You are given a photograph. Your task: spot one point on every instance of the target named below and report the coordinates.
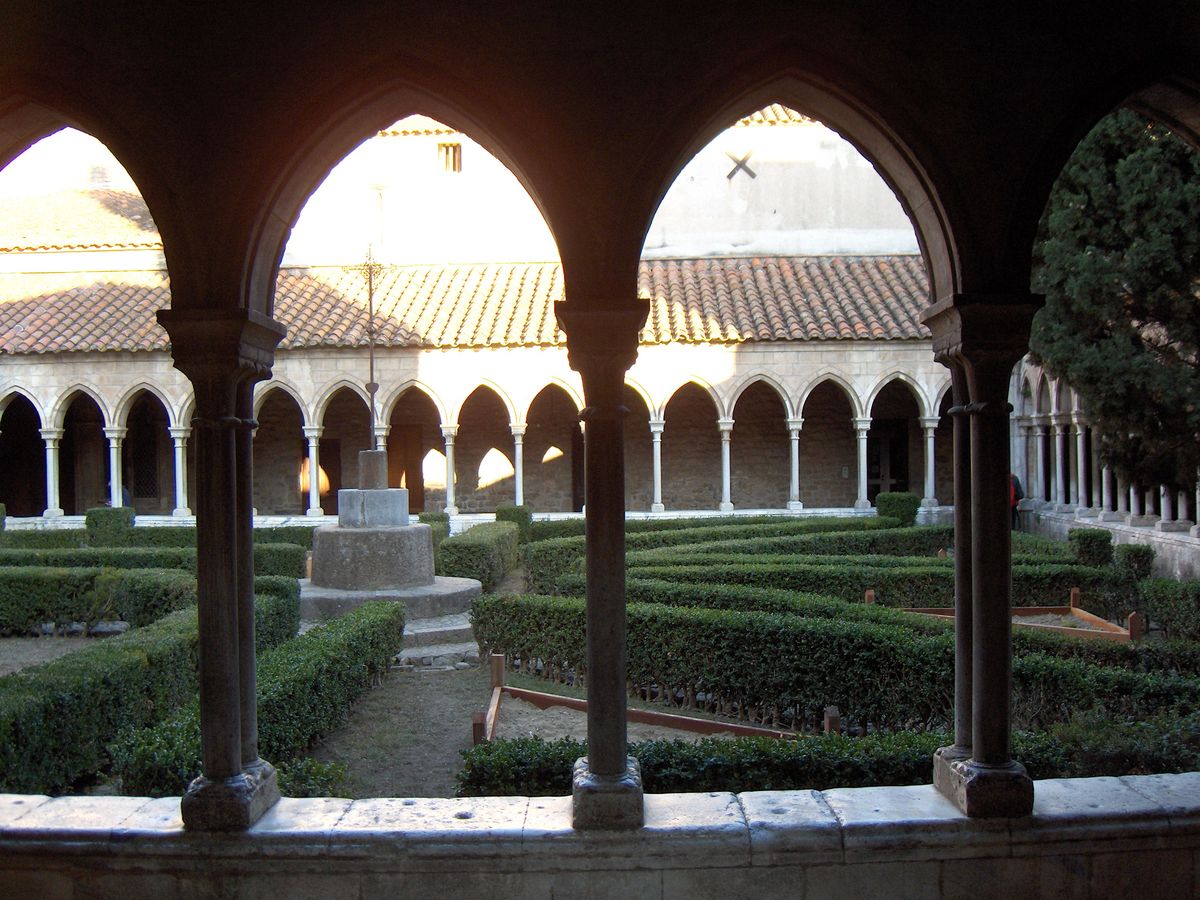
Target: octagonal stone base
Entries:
(444, 596)
(606, 801)
(980, 791)
(231, 805)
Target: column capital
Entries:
(725, 426)
(450, 432)
(180, 432)
(114, 432)
(313, 432)
(862, 424)
(929, 422)
(51, 434)
(795, 424)
(657, 426)
(382, 431)
(1078, 419)
(517, 429)
(986, 334)
(601, 335)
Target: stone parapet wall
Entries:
(1093, 837)
(1177, 554)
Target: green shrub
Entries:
(276, 612)
(31, 595)
(486, 552)
(142, 596)
(429, 517)
(305, 777)
(280, 559)
(520, 516)
(1091, 546)
(924, 541)
(1174, 605)
(284, 534)
(269, 559)
(47, 538)
(3, 516)
(549, 529)
(901, 505)
(1136, 559)
(108, 526)
(305, 690)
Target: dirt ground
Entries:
(16, 653)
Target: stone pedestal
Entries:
(233, 804)
(606, 801)
(981, 791)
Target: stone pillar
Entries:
(51, 437)
(518, 433)
(794, 426)
(1122, 498)
(985, 336)
(381, 436)
(861, 428)
(449, 433)
(115, 437)
(1039, 435)
(1108, 513)
(1083, 465)
(601, 346)
(223, 352)
(725, 426)
(1061, 457)
(1184, 508)
(929, 426)
(1169, 521)
(656, 433)
(179, 437)
(312, 434)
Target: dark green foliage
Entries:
(1135, 559)
(429, 517)
(574, 527)
(31, 595)
(280, 559)
(901, 505)
(305, 777)
(486, 552)
(1083, 747)
(108, 526)
(269, 559)
(520, 516)
(276, 611)
(142, 596)
(284, 534)
(1175, 605)
(550, 529)
(1118, 258)
(3, 516)
(44, 538)
(305, 690)
(166, 536)
(1091, 546)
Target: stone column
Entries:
(1061, 456)
(1108, 514)
(51, 437)
(985, 336)
(223, 352)
(1122, 498)
(449, 433)
(179, 437)
(381, 436)
(601, 346)
(115, 437)
(1083, 465)
(1169, 521)
(725, 426)
(656, 433)
(861, 428)
(518, 433)
(929, 426)
(794, 426)
(1038, 490)
(312, 433)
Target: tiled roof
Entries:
(495, 304)
(77, 220)
(775, 114)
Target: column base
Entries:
(725, 506)
(657, 507)
(795, 505)
(1063, 508)
(1086, 512)
(180, 512)
(450, 510)
(231, 805)
(862, 504)
(1141, 521)
(606, 801)
(929, 502)
(1176, 525)
(314, 511)
(982, 792)
(1110, 516)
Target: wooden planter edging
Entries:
(484, 724)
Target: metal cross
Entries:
(371, 270)
(739, 165)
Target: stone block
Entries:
(386, 508)
(372, 470)
(372, 558)
(987, 791)
(230, 805)
(911, 880)
(607, 801)
(791, 827)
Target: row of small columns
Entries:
(115, 437)
(1096, 490)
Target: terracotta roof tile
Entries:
(77, 220)
(493, 304)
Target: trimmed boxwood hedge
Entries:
(34, 539)
(56, 719)
(548, 529)
(785, 669)
(269, 559)
(902, 505)
(534, 767)
(1175, 605)
(155, 536)
(521, 516)
(305, 690)
(486, 552)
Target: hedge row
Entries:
(486, 552)
(1106, 592)
(559, 528)
(269, 559)
(546, 561)
(1175, 605)
(57, 719)
(305, 690)
(538, 768)
(166, 536)
(519, 516)
(785, 669)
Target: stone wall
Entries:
(279, 449)
(691, 451)
(828, 450)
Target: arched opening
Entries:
(83, 457)
(894, 452)
(346, 432)
(280, 457)
(147, 459)
(553, 453)
(691, 450)
(483, 426)
(414, 434)
(760, 455)
(22, 459)
(827, 449)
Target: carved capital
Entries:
(601, 337)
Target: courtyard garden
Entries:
(769, 621)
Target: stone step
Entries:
(444, 597)
(452, 629)
(440, 656)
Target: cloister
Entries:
(228, 121)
